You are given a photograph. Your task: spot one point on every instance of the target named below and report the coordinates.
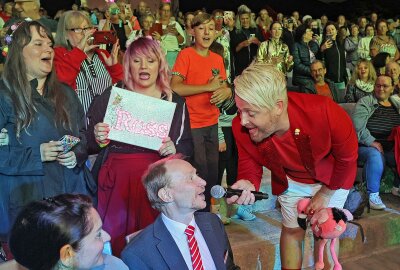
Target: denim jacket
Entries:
(365, 107)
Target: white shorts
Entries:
(297, 191)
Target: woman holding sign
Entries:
(123, 204)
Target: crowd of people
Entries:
(250, 90)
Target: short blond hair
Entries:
(261, 85)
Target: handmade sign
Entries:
(138, 119)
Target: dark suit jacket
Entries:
(154, 247)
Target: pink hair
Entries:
(147, 47)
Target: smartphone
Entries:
(104, 37)
(252, 36)
(329, 37)
(156, 27)
(68, 142)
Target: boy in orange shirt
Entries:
(199, 76)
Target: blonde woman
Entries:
(362, 81)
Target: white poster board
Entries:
(138, 119)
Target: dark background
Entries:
(350, 8)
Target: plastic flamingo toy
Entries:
(326, 223)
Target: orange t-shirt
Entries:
(197, 70)
(323, 90)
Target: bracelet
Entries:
(102, 145)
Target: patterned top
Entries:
(388, 46)
(276, 53)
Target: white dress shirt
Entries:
(177, 230)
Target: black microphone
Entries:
(218, 192)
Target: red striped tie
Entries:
(194, 249)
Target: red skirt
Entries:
(123, 204)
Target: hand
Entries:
(68, 160)
(167, 148)
(222, 147)
(50, 151)
(4, 137)
(327, 44)
(83, 44)
(254, 40)
(290, 59)
(247, 197)
(214, 83)
(171, 29)
(378, 146)
(101, 131)
(113, 58)
(320, 200)
(245, 43)
(220, 95)
(315, 37)
(156, 35)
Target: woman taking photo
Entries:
(245, 39)
(333, 54)
(63, 232)
(374, 118)
(37, 111)
(362, 81)
(121, 193)
(85, 68)
(274, 51)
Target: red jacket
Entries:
(68, 64)
(326, 141)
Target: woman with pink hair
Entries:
(122, 201)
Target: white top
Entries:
(177, 230)
(170, 42)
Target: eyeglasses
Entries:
(379, 86)
(219, 17)
(80, 30)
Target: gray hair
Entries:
(261, 85)
(156, 178)
(243, 9)
(68, 20)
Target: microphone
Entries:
(218, 192)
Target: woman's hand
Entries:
(290, 59)
(68, 160)
(50, 151)
(101, 131)
(156, 35)
(84, 45)
(113, 58)
(167, 148)
(4, 137)
(327, 44)
(378, 146)
(222, 147)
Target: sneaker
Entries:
(244, 213)
(375, 201)
(395, 191)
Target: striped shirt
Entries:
(381, 123)
(98, 77)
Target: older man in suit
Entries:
(174, 188)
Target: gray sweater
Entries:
(365, 107)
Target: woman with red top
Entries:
(264, 23)
(84, 67)
(123, 204)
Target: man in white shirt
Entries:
(174, 188)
